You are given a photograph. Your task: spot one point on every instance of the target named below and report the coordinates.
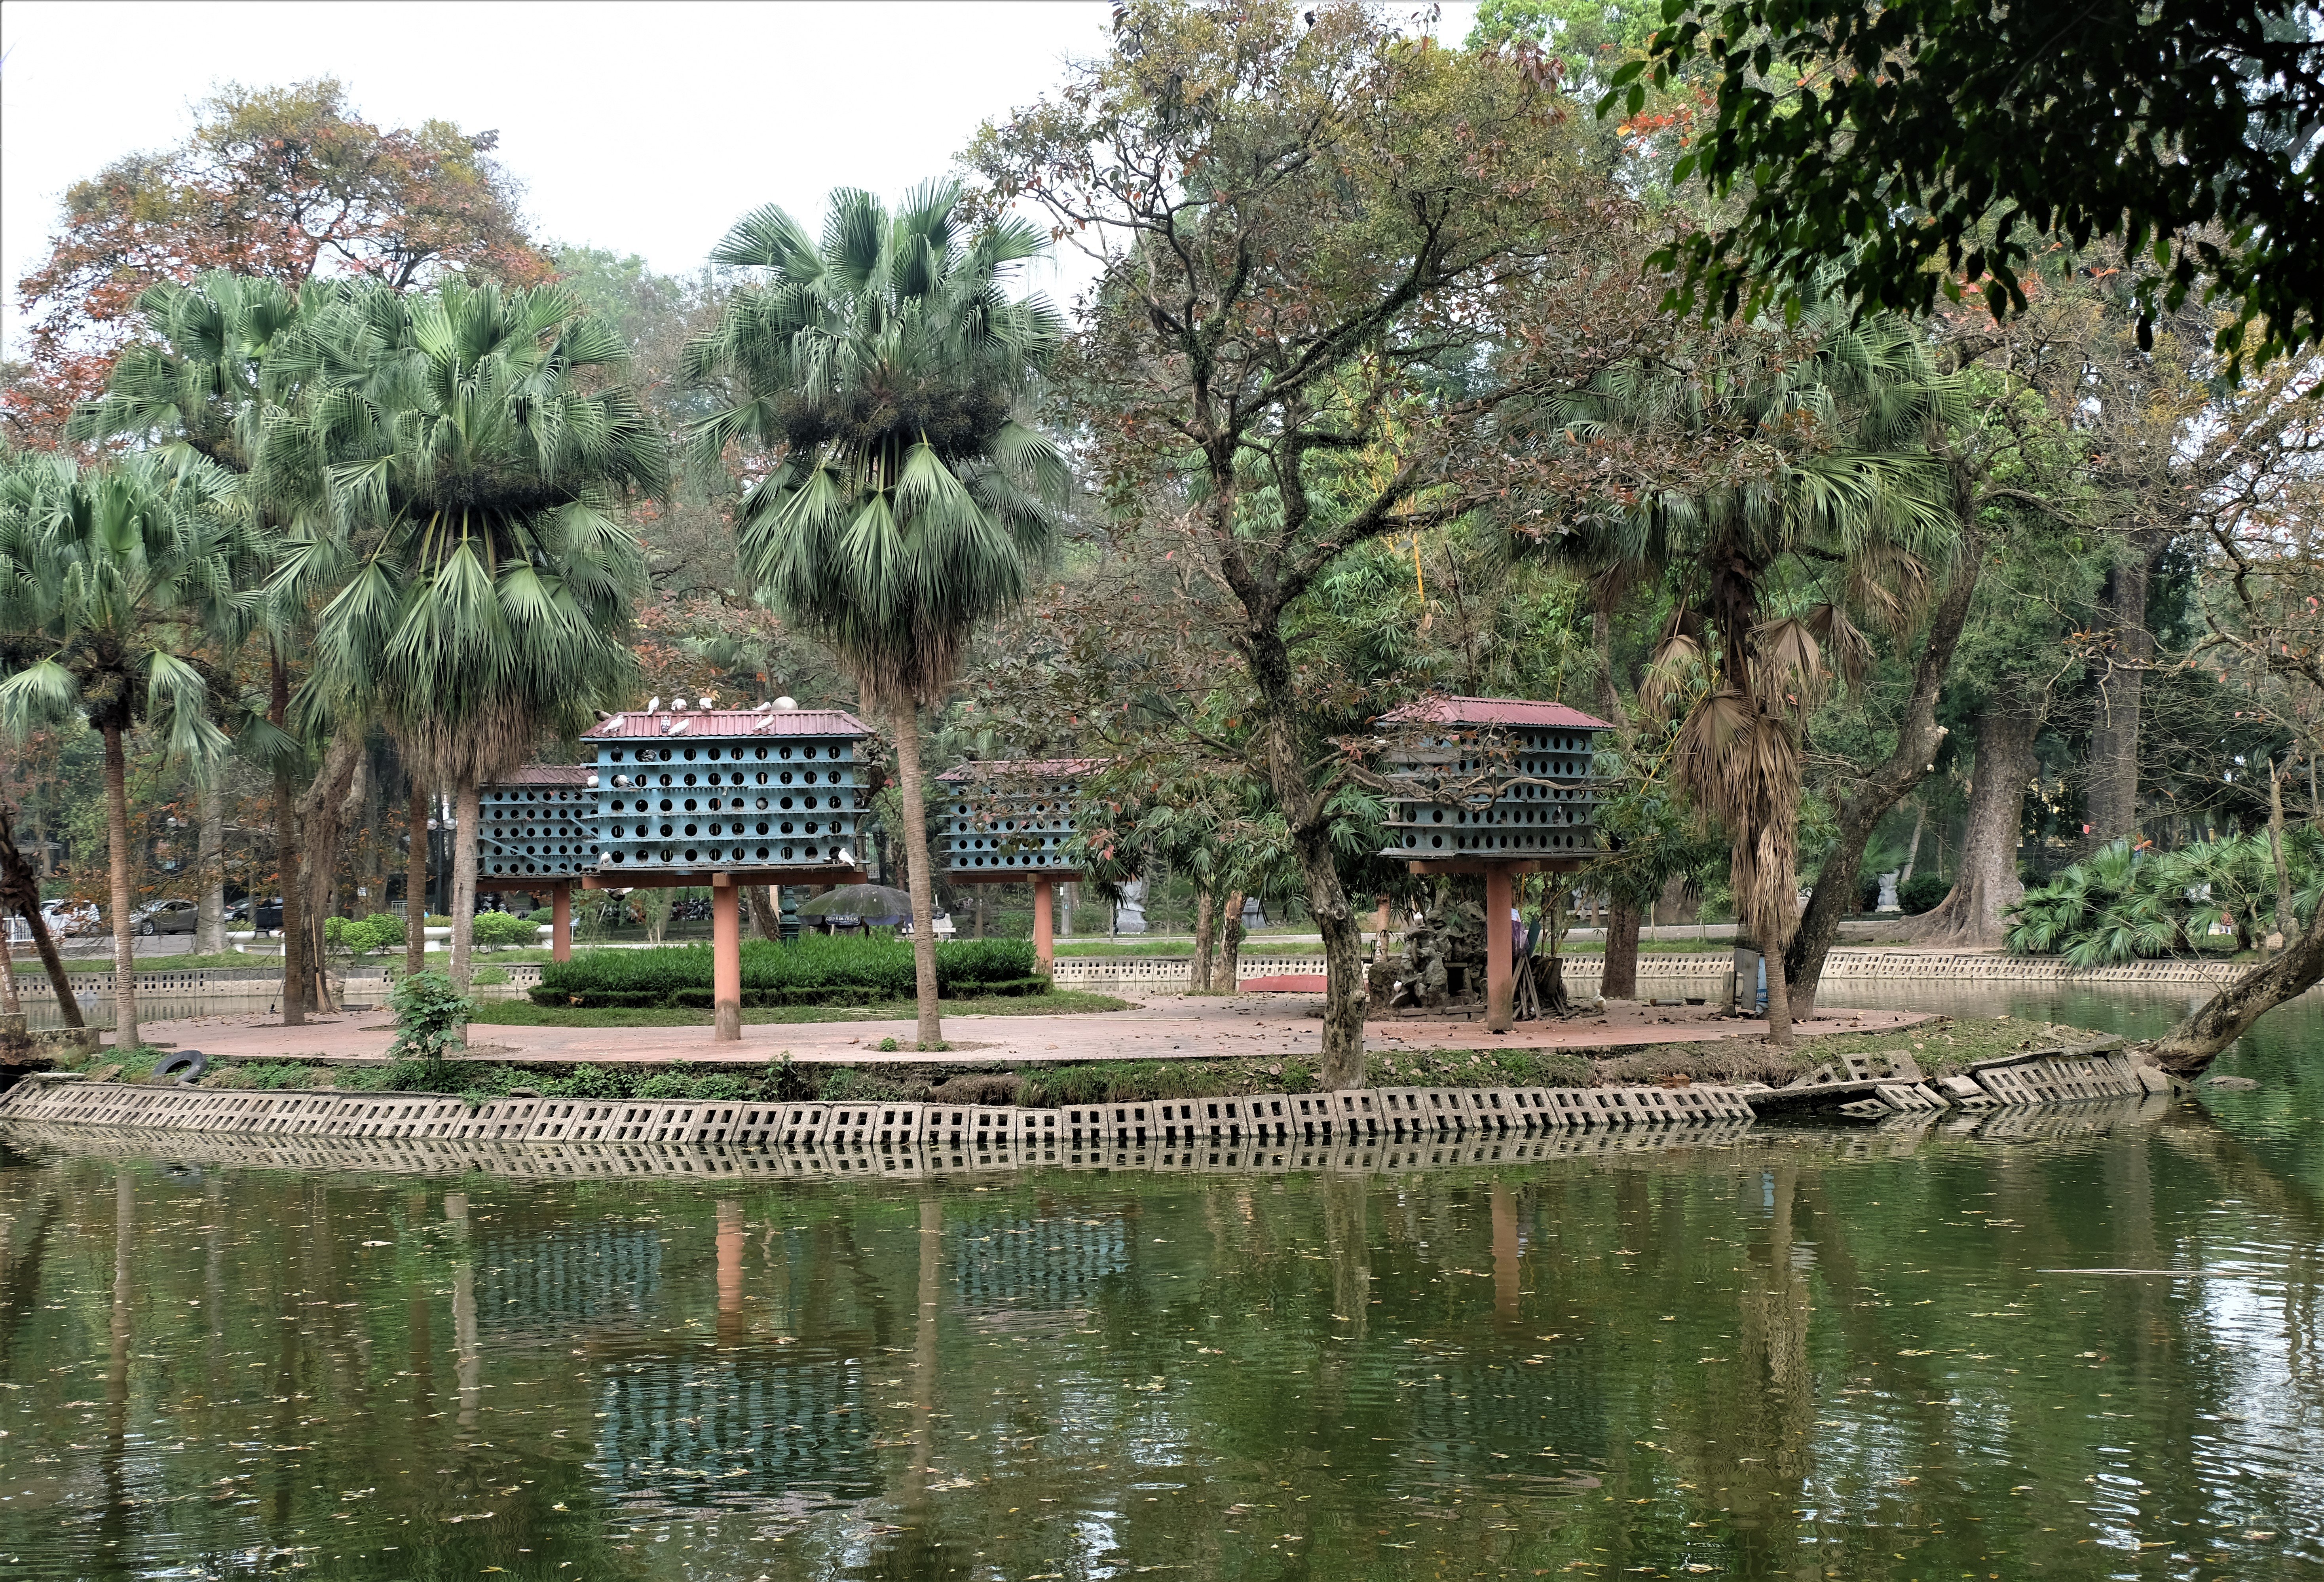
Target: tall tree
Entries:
(1316, 240)
(283, 183)
(106, 577)
(1823, 497)
(207, 380)
(909, 497)
(471, 460)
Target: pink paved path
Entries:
(1164, 1028)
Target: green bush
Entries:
(1922, 891)
(431, 1018)
(504, 928)
(816, 970)
(488, 976)
(383, 930)
(541, 914)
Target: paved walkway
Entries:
(1273, 1026)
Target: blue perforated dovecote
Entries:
(726, 789)
(1010, 818)
(539, 826)
(1492, 780)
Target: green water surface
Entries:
(1814, 1353)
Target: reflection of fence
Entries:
(727, 1165)
(566, 1276)
(692, 1432)
(1026, 1264)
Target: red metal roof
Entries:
(715, 723)
(1493, 711)
(1024, 768)
(546, 774)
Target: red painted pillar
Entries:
(726, 958)
(1045, 945)
(1500, 986)
(560, 923)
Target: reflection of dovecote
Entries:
(711, 790)
(672, 1428)
(538, 823)
(1498, 779)
(1023, 1267)
(566, 1277)
(1012, 819)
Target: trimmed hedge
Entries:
(816, 970)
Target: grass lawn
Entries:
(1057, 1003)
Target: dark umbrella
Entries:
(877, 905)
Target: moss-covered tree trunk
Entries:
(124, 938)
(913, 789)
(415, 879)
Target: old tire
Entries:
(185, 1066)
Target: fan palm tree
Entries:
(106, 577)
(1829, 485)
(477, 579)
(207, 381)
(884, 363)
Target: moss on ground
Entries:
(1941, 1046)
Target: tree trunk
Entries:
(1198, 971)
(209, 861)
(332, 799)
(415, 880)
(20, 892)
(8, 1002)
(286, 862)
(1306, 810)
(124, 942)
(466, 804)
(1230, 937)
(1912, 846)
(1620, 981)
(1859, 813)
(766, 922)
(2193, 1045)
(2112, 799)
(1986, 882)
(2286, 921)
(916, 866)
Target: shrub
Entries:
(431, 1018)
(383, 930)
(484, 976)
(504, 928)
(816, 970)
(1922, 891)
(541, 914)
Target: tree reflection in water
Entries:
(1793, 1354)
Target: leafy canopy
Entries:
(1928, 146)
(882, 364)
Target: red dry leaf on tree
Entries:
(281, 182)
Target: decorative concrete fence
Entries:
(1184, 1129)
(247, 982)
(1707, 967)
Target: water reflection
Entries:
(1895, 1354)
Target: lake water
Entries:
(1807, 1354)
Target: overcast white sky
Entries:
(645, 128)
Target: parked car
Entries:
(269, 913)
(69, 917)
(166, 916)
